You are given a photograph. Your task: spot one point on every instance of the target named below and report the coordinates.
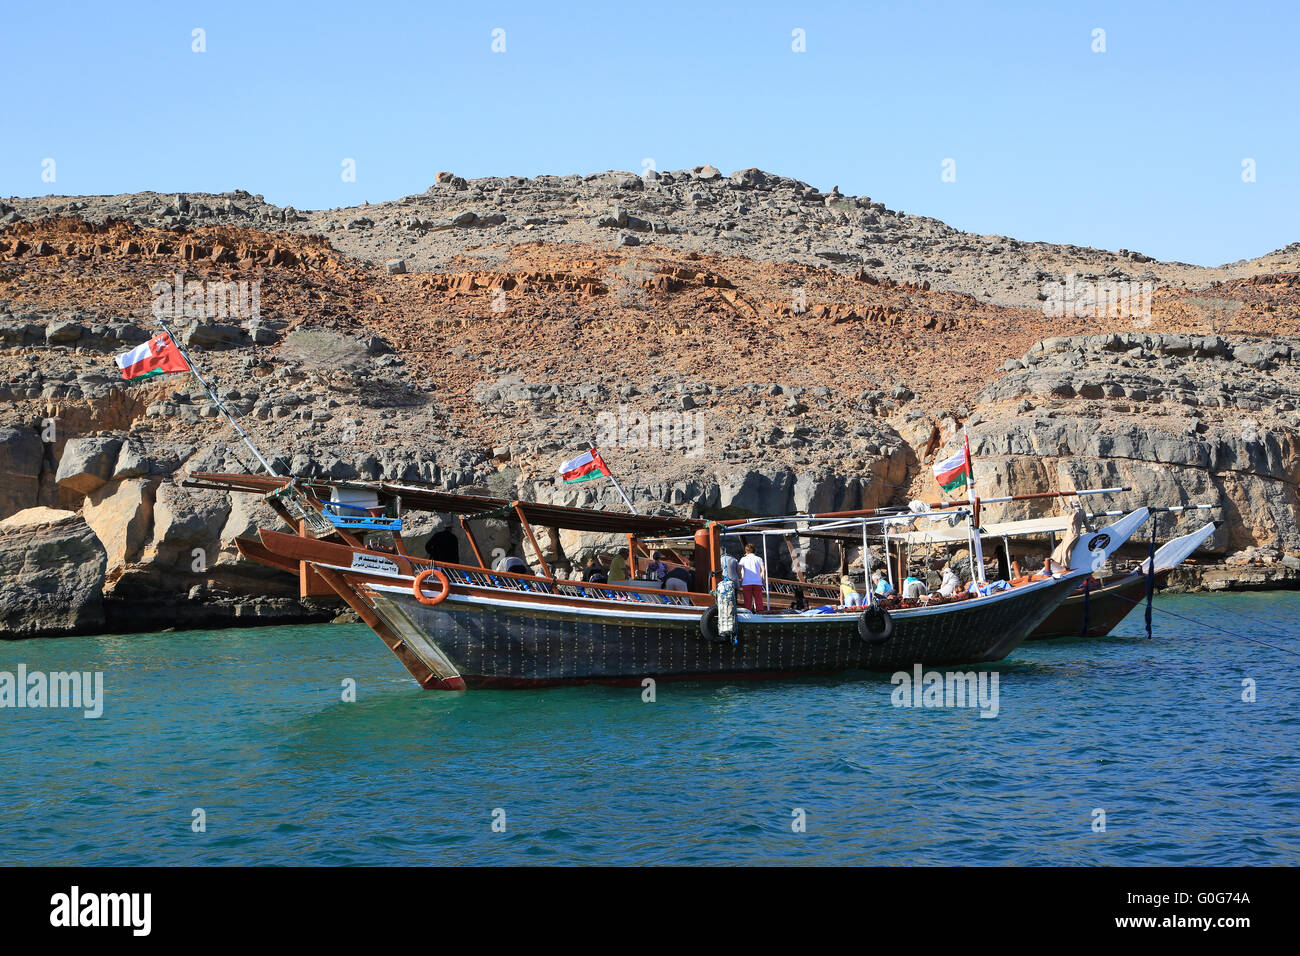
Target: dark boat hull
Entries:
(493, 644)
(1104, 610)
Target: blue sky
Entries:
(1139, 147)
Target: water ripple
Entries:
(250, 727)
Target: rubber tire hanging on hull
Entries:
(709, 626)
(875, 626)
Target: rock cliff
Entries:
(773, 365)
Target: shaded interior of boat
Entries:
(329, 533)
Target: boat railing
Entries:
(782, 586)
(464, 574)
(786, 587)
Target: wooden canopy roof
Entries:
(421, 497)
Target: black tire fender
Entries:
(875, 626)
(709, 625)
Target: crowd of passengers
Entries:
(748, 573)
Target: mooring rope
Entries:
(1192, 620)
(1151, 573)
(1083, 631)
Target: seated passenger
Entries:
(950, 582)
(510, 563)
(656, 570)
(849, 596)
(594, 572)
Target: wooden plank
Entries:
(327, 552)
(423, 674)
(255, 551)
(311, 584)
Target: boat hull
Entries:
(1105, 608)
(512, 645)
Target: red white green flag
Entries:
(158, 356)
(585, 467)
(954, 472)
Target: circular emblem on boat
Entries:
(1099, 541)
(875, 625)
(418, 587)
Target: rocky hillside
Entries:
(763, 363)
(750, 213)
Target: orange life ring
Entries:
(418, 591)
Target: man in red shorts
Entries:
(753, 575)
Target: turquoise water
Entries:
(249, 725)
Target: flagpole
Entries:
(978, 554)
(617, 486)
(194, 368)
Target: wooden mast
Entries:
(473, 544)
(537, 549)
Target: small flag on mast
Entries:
(954, 472)
(158, 356)
(590, 465)
(585, 467)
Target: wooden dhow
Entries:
(455, 625)
(1094, 610)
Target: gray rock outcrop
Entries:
(51, 575)
(87, 463)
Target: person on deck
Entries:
(618, 567)
(595, 572)
(731, 569)
(656, 570)
(913, 587)
(849, 596)
(678, 579)
(1059, 561)
(950, 582)
(511, 564)
(883, 587)
(753, 575)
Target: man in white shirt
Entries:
(753, 575)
